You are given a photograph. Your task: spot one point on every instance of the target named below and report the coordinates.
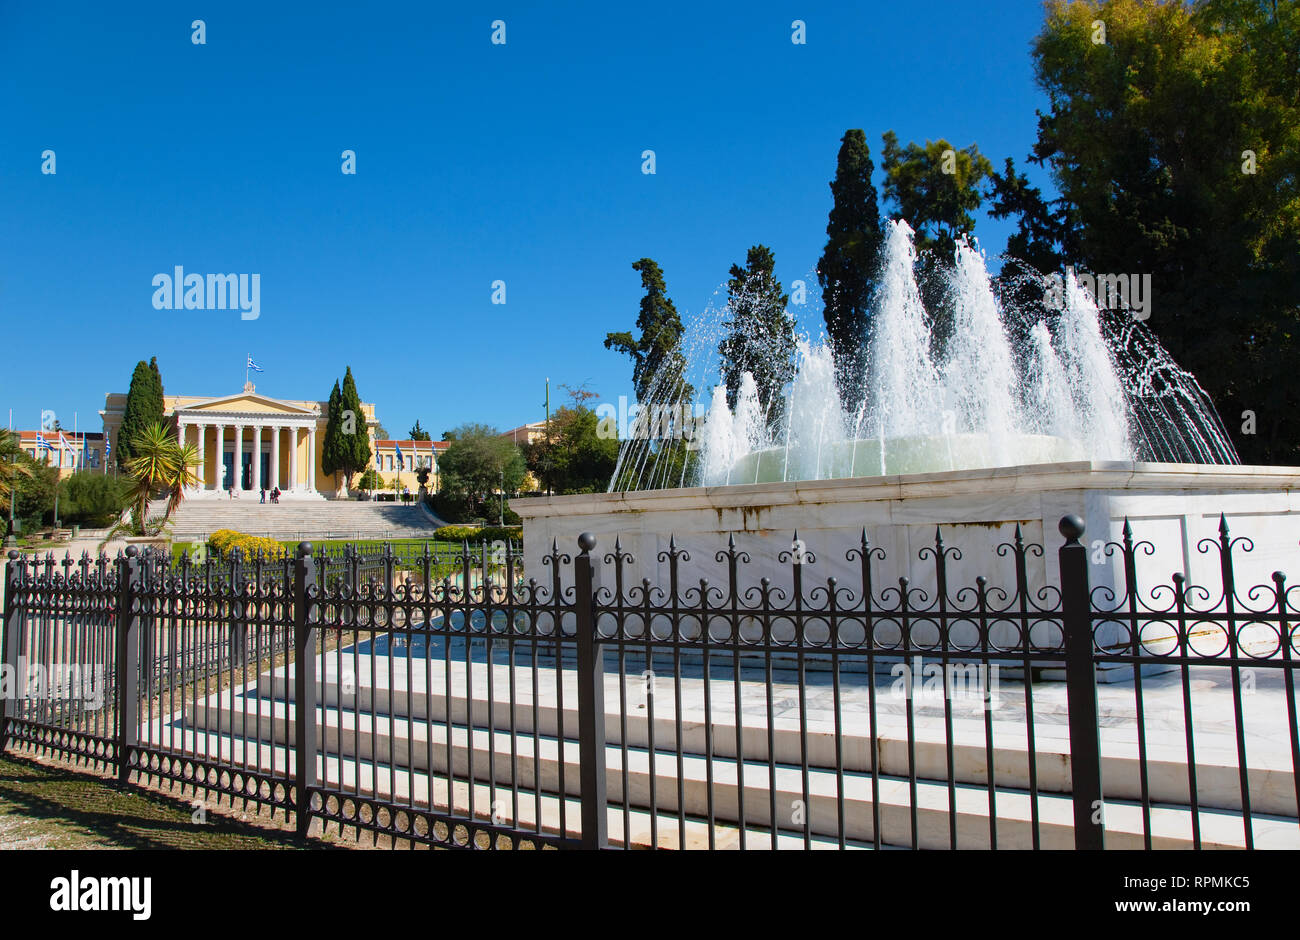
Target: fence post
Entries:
(127, 666)
(591, 699)
(12, 627)
(304, 686)
(1081, 688)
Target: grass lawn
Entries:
(44, 806)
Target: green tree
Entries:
(759, 336)
(90, 498)
(370, 480)
(354, 455)
(333, 447)
(1042, 231)
(848, 267)
(581, 460)
(418, 433)
(12, 467)
(144, 408)
(655, 352)
(472, 466)
(36, 486)
(935, 188)
(1176, 147)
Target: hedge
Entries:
(474, 534)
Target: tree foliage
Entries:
(935, 188)
(759, 337)
(144, 408)
(848, 266)
(418, 433)
(473, 465)
(1175, 144)
(93, 499)
(655, 352)
(332, 448)
(580, 459)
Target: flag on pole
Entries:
(401, 461)
(254, 366)
(64, 445)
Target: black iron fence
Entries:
(465, 705)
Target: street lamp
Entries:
(503, 496)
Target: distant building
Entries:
(388, 463)
(70, 452)
(527, 433)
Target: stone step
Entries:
(410, 747)
(420, 791)
(1271, 776)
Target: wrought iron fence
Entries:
(465, 705)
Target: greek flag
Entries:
(42, 442)
(108, 446)
(65, 446)
(253, 365)
(401, 461)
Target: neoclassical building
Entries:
(272, 441)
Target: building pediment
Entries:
(245, 403)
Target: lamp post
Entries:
(503, 496)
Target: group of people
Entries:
(232, 493)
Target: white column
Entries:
(293, 461)
(257, 457)
(217, 479)
(237, 477)
(203, 433)
(311, 460)
(275, 458)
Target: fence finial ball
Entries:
(1071, 527)
(304, 548)
(13, 554)
(132, 551)
(586, 542)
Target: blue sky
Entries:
(475, 163)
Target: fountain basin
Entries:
(905, 455)
(1173, 506)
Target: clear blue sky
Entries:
(475, 163)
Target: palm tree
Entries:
(159, 463)
(12, 466)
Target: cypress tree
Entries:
(760, 333)
(848, 266)
(355, 452)
(331, 458)
(144, 407)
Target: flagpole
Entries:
(247, 359)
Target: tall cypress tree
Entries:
(331, 459)
(848, 266)
(355, 452)
(657, 346)
(144, 407)
(760, 333)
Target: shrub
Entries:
(92, 499)
(474, 535)
(223, 540)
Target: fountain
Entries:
(1010, 420)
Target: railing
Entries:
(460, 704)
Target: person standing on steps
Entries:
(263, 499)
